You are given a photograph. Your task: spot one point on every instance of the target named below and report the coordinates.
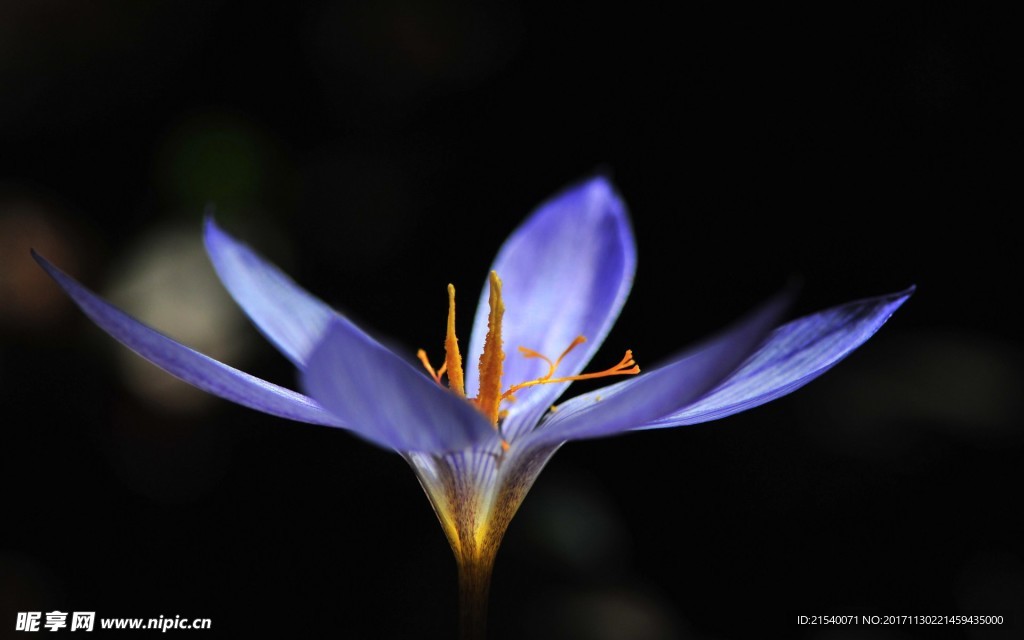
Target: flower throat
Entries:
(488, 400)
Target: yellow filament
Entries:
(490, 396)
(452, 357)
(422, 355)
(552, 365)
(626, 367)
(436, 375)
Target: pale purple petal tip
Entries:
(189, 365)
(795, 354)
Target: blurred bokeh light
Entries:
(167, 282)
(26, 299)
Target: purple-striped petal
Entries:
(386, 400)
(290, 317)
(189, 365)
(566, 271)
(665, 390)
(795, 354)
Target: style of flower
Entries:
(478, 443)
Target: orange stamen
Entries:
(422, 355)
(452, 357)
(626, 367)
(436, 375)
(552, 365)
(490, 396)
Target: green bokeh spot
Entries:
(215, 159)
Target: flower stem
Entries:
(474, 586)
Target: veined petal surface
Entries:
(795, 354)
(566, 271)
(665, 390)
(187, 364)
(386, 400)
(290, 317)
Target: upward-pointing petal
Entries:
(189, 365)
(386, 400)
(566, 271)
(290, 317)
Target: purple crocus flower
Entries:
(478, 443)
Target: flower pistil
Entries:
(490, 396)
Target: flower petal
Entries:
(665, 390)
(385, 399)
(290, 317)
(795, 354)
(566, 271)
(189, 365)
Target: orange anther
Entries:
(490, 396)
(452, 357)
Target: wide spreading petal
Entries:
(189, 365)
(566, 271)
(795, 354)
(662, 391)
(290, 317)
(387, 400)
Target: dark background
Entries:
(378, 151)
